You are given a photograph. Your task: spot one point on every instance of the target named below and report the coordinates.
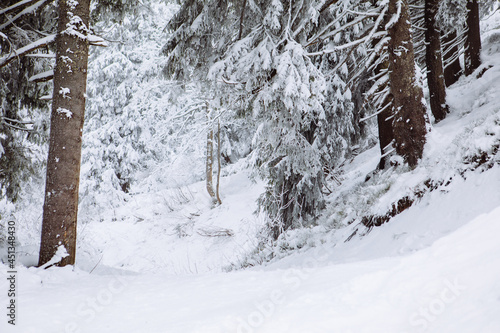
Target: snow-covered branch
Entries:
(15, 6)
(42, 77)
(25, 11)
(336, 31)
(26, 49)
(352, 44)
(395, 18)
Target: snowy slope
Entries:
(450, 286)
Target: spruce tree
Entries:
(60, 208)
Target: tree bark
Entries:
(434, 62)
(217, 187)
(452, 67)
(473, 38)
(386, 137)
(408, 110)
(63, 165)
(210, 157)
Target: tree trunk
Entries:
(452, 67)
(63, 165)
(386, 137)
(409, 111)
(217, 187)
(434, 62)
(210, 157)
(473, 38)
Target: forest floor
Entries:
(159, 263)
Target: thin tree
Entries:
(63, 165)
(434, 62)
(210, 157)
(217, 187)
(451, 58)
(473, 38)
(408, 110)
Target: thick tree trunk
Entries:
(451, 60)
(473, 39)
(63, 165)
(409, 111)
(434, 62)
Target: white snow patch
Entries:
(64, 111)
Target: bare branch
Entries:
(18, 121)
(241, 18)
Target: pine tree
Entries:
(63, 165)
(434, 62)
(394, 93)
(260, 70)
(25, 26)
(451, 59)
(408, 110)
(473, 39)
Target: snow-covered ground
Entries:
(450, 286)
(158, 262)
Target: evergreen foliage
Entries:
(23, 115)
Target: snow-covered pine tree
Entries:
(344, 99)
(258, 68)
(382, 39)
(129, 102)
(24, 116)
(451, 20)
(428, 52)
(268, 74)
(459, 22)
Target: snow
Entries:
(28, 48)
(65, 112)
(450, 286)
(164, 258)
(65, 92)
(49, 73)
(58, 256)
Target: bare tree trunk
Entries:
(386, 137)
(409, 111)
(218, 164)
(434, 62)
(63, 165)
(473, 39)
(241, 18)
(452, 67)
(210, 157)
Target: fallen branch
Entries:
(215, 232)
